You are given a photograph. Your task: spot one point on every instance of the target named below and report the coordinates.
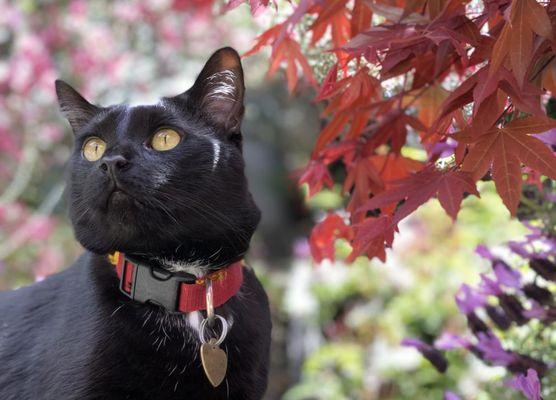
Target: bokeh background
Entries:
(337, 328)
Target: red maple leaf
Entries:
(325, 233)
(315, 175)
(393, 167)
(289, 51)
(449, 187)
(333, 15)
(392, 130)
(360, 17)
(371, 237)
(359, 90)
(270, 36)
(504, 150)
(503, 54)
(516, 38)
(284, 50)
(362, 180)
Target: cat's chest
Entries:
(162, 360)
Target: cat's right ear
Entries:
(73, 106)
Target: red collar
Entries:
(147, 283)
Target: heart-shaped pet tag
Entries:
(215, 362)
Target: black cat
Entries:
(164, 186)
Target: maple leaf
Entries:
(288, 50)
(345, 149)
(503, 55)
(448, 186)
(516, 38)
(393, 167)
(549, 77)
(490, 111)
(435, 7)
(429, 104)
(479, 87)
(505, 149)
(325, 233)
(328, 84)
(371, 237)
(392, 130)
(393, 13)
(362, 180)
(284, 50)
(269, 36)
(334, 14)
(358, 124)
(331, 131)
(315, 175)
(360, 17)
(359, 90)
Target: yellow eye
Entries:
(165, 139)
(94, 148)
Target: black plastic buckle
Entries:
(153, 284)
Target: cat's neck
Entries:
(195, 258)
(104, 273)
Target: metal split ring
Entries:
(209, 297)
(222, 334)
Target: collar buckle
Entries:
(152, 284)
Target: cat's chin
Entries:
(120, 202)
(118, 198)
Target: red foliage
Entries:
(325, 233)
(498, 59)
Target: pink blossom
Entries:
(78, 8)
(37, 228)
(49, 261)
(50, 133)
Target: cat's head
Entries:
(165, 179)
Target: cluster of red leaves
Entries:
(502, 59)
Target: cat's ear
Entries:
(219, 89)
(73, 106)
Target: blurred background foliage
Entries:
(337, 328)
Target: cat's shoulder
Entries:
(43, 292)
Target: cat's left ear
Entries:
(219, 90)
(73, 106)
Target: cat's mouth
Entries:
(120, 199)
(118, 196)
(117, 193)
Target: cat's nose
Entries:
(114, 164)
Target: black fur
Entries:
(74, 335)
